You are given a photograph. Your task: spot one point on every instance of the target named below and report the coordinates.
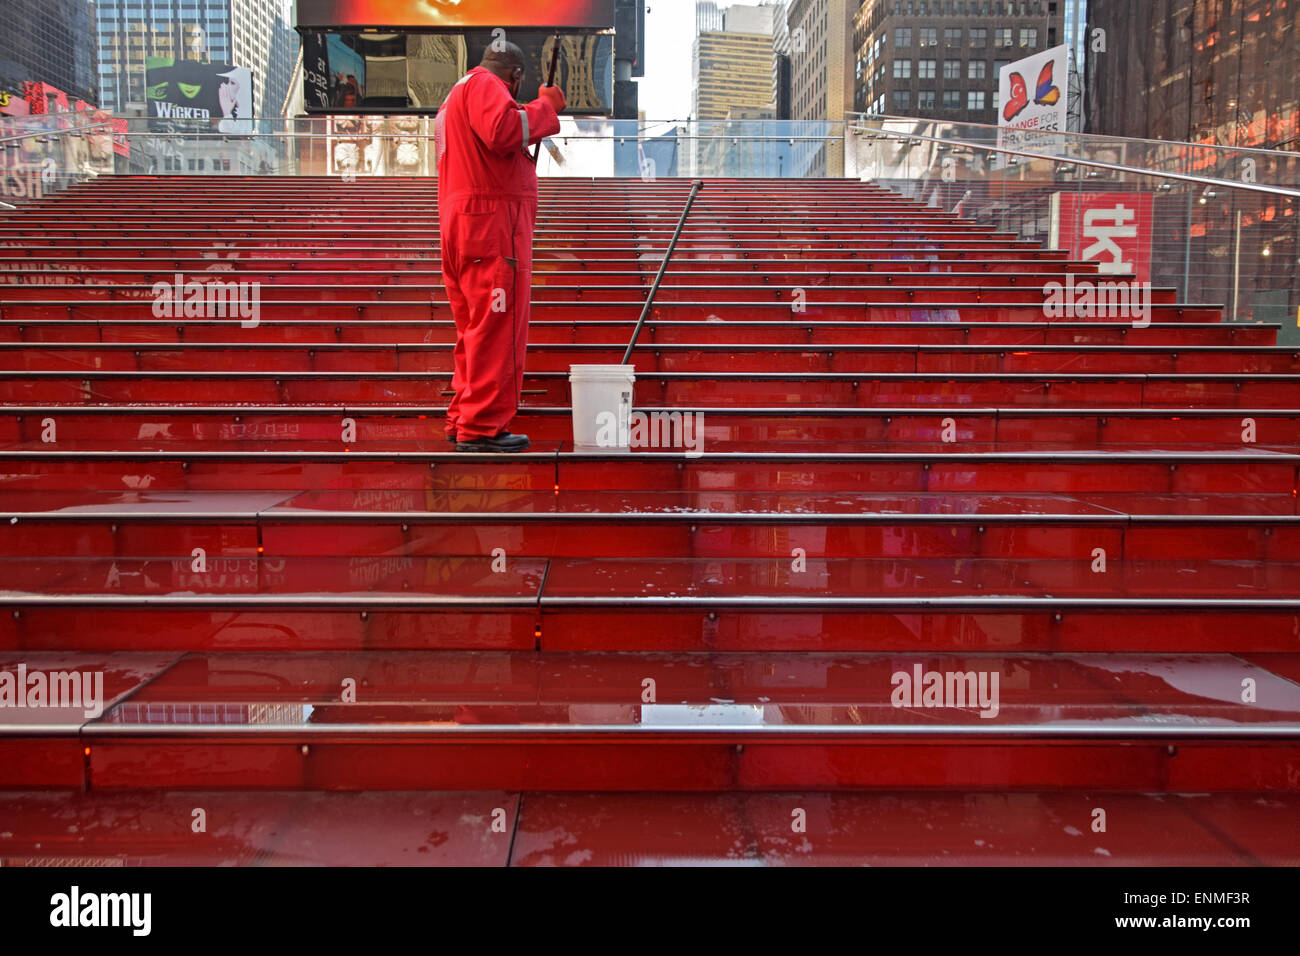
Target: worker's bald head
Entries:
(504, 59)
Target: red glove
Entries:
(553, 95)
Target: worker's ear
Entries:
(516, 79)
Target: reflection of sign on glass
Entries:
(379, 146)
(592, 14)
(372, 74)
(315, 70)
(1111, 229)
(347, 73)
(187, 90)
(584, 68)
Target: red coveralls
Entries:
(487, 201)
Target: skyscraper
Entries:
(1197, 70)
(942, 59)
(732, 66)
(251, 33)
(821, 72)
(49, 41)
(708, 16)
(780, 59)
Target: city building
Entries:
(708, 16)
(821, 72)
(249, 33)
(49, 42)
(1198, 71)
(732, 67)
(780, 59)
(941, 58)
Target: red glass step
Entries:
(751, 722)
(905, 829)
(257, 829)
(303, 428)
(650, 360)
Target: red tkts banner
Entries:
(569, 14)
(1112, 229)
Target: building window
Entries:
(902, 100)
(1002, 36)
(998, 65)
(975, 70)
(952, 69)
(975, 100)
(1029, 38)
(978, 37)
(952, 36)
(929, 36)
(902, 69)
(925, 99)
(903, 37)
(951, 99)
(925, 69)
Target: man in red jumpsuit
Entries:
(487, 202)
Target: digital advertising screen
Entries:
(452, 14)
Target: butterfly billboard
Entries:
(1033, 100)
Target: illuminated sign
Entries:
(454, 14)
(1111, 229)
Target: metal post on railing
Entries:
(672, 244)
(1236, 265)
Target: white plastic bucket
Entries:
(602, 406)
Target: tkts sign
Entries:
(1111, 229)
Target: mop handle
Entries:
(550, 81)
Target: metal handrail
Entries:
(893, 135)
(663, 265)
(55, 132)
(305, 134)
(1101, 138)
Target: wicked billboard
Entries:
(182, 92)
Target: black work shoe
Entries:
(502, 442)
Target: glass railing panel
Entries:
(1216, 241)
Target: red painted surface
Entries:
(904, 462)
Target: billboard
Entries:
(1033, 99)
(584, 67)
(361, 73)
(178, 93)
(454, 14)
(12, 103)
(1111, 229)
